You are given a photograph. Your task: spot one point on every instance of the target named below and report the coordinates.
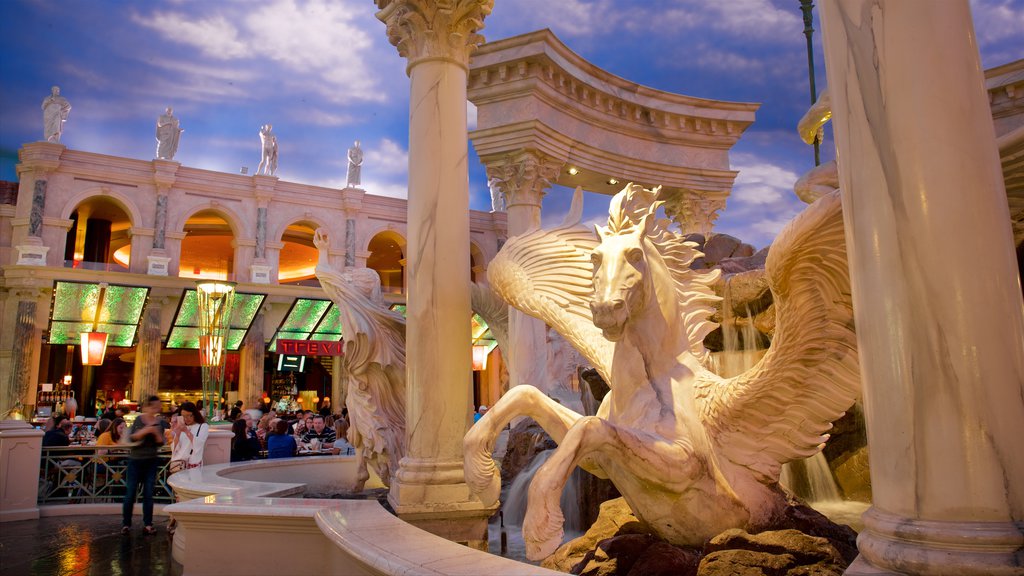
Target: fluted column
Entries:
(524, 177)
(250, 376)
(146, 374)
(436, 38)
(939, 320)
(17, 391)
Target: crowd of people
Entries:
(185, 433)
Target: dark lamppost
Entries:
(806, 6)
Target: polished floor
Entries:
(84, 545)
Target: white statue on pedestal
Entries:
(55, 113)
(497, 196)
(168, 133)
(355, 164)
(693, 454)
(268, 144)
(374, 363)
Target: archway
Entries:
(387, 257)
(99, 238)
(208, 250)
(298, 256)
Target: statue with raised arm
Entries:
(693, 453)
(55, 113)
(497, 196)
(355, 164)
(268, 144)
(374, 363)
(168, 132)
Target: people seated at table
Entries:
(281, 444)
(320, 437)
(59, 435)
(236, 411)
(341, 444)
(112, 435)
(243, 447)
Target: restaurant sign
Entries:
(310, 347)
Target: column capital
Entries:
(434, 29)
(693, 211)
(524, 176)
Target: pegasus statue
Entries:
(693, 454)
(374, 365)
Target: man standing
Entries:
(147, 434)
(168, 133)
(55, 112)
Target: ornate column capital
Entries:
(693, 211)
(434, 29)
(524, 176)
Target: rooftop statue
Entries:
(268, 145)
(374, 364)
(355, 166)
(693, 454)
(168, 133)
(55, 113)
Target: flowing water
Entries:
(514, 507)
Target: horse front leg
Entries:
(667, 464)
(481, 474)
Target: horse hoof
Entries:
(537, 550)
(490, 494)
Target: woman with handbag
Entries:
(189, 439)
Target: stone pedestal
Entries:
(32, 254)
(437, 39)
(157, 265)
(259, 274)
(20, 453)
(218, 445)
(940, 324)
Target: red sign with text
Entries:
(310, 348)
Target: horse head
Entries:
(621, 276)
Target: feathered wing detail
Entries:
(494, 310)
(548, 275)
(374, 339)
(782, 408)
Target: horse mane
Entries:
(632, 207)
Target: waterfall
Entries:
(514, 508)
(735, 358)
(811, 479)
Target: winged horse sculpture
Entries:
(374, 364)
(692, 453)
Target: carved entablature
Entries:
(445, 29)
(524, 176)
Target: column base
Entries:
(32, 254)
(892, 544)
(157, 265)
(259, 274)
(433, 496)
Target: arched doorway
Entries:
(298, 257)
(99, 238)
(387, 257)
(208, 250)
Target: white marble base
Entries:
(20, 450)
(259, 274)
(157, 265)
(32, 255)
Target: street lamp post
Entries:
(807, 6)
(214, 301)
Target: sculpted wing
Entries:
(548, 275)
(782, 408)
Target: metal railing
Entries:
(93, 475)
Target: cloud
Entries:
(387, 157)
(760, 182)
(567, 18)
(313, 45)
(470, 116)
(389, 189)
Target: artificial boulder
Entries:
(735, 552)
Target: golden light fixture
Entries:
(479, 358)
(613, 181)
(573, 171)
(94, 348)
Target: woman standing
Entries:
(147, 434)
(190, 434)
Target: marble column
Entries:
(350, 242)
(338, 384)
(146, 373)
(936, 291)
(524, 178)
(250, 372)
(17, 383)
(437, 39)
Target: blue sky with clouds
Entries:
(323, 73)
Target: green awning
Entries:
(77, 306)
(309, 319)
(184, 332)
